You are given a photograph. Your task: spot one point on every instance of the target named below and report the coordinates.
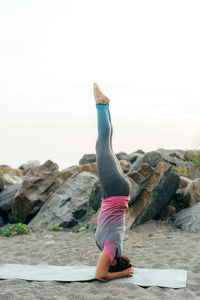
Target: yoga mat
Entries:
(143, 277)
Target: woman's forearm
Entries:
(110, 276)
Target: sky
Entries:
(144, 55)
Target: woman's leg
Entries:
(112, 178)
(119, 166)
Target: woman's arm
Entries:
(103, 266)
(125, 273)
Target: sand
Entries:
(155, 244)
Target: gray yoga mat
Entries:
(143, 277)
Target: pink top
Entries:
(111, 225)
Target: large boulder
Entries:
(10, 175)
(38, 185)
(125, 165)
(6, 199)
(167, 212)
(29, 165)
(188, 219)
(152, 158)
(192, 171)
(178, 158)
(165, 153)
(132, 157)
(6, 169)
(158, 191)
(70, 202)
(184, 182)
(11, 178)
(7, 196)
(122, 156)
(87, 158)
(1, 221)
(192, 192)
(139, 179)
(178, 199)
(68, 172)
(2, 182)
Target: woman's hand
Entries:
(128, 272)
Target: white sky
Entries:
(145, 55)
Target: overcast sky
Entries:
(145, 55)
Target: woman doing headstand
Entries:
(117, 188)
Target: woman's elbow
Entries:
(101, 276)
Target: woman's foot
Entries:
(98, 95)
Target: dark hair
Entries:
(123, 263)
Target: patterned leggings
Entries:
(112, 178)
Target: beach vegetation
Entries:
(86, 227)
(18, 228)
(94, 227)
(83, 228)
(193, 156)
(181, 170)
(55, 228)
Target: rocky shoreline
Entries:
(165, 185)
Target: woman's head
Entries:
(120, 264)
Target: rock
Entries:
(92, 168)
(6, 199)
(11, 178)
(173, 153)
(93, 220)
(69, 204)
(1, 221)
(188, 169)
(178, 201)
(177, 158)
(28, 165)
(6, 169)
(192, 171)
(167, 212)
(12, 218)
(122, 156)
(7, 196)
(95, 196)
(87, 158)
(2, 182)
(125, 165)
(139, 180)
(158, 191)
(192, 192)
(10, 175)
(38, 185)
(152, 158)
(140, 151)
(133, 156)
(66, 173)
(145, 171)
(188, 219)
(184, 182)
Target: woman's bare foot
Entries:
(98, 95)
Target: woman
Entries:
(116, 187)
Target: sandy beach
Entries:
(155, 244)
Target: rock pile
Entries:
(164, 186)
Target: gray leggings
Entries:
(112, 178)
